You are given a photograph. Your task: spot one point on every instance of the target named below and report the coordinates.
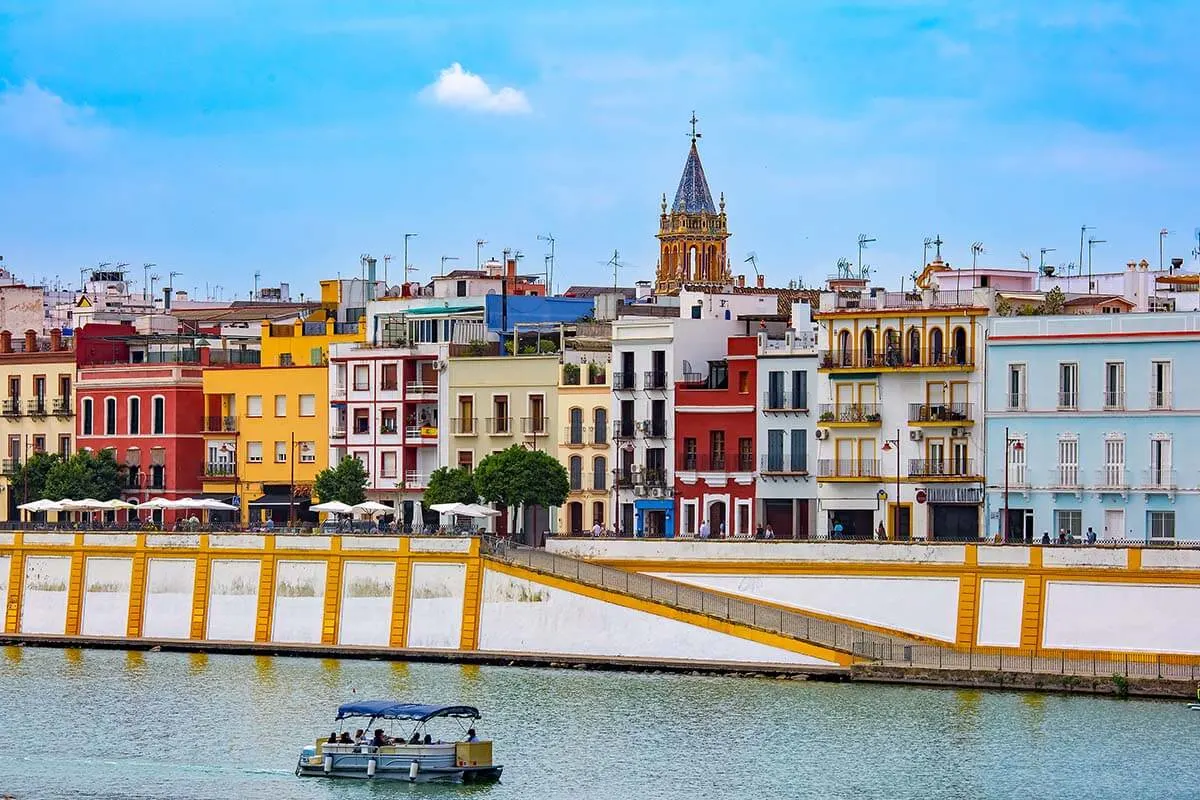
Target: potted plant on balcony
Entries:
(571, 374)
(595, 373)
(826, 416)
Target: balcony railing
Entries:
(847, 468)
(624, 480)
(785, 401)
(36, 407)
(220, 470)
(941, 467)
(337, 431)
(1014, 401)
(420, 433)
(1114, 400)
(624, 381)
(655, 429)
(64, 407)
(420, 387)
(784, 464)
(707, 462)
(414, 479)
(11, 407)
(388, 426)
(655, 379)
(10, 466)
(623, 429)
(338, 392)
(535, 426)
(577, 435)
(652, 477)
(1068, 401)
(895, 359)
(1066, 476)
(464, 426)
(1166, 480)
(1112, 478)
(1160, 399)
(499, 426)
(849, 413)
(939, 412)
(220, 425)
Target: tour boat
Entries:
(419, 757)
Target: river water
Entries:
(112, 724)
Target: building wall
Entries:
(1117, 498)
(592, 393)
(33, 423)
(302, 344)
(786, 489)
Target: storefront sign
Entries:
(961, 495)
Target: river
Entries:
(114, 724)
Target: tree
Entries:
(94, 475)
(346, 482)
(448, 485)
(29, 482)
(519, 477)
(1055, 301)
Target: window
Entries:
(598, 513)
(1161, 525)
(135, 415)
(743, 381)
(1068, 462)
(1016, 462)
(1160, 384)
(64, 444)
(159, 405)
(466, 460)
(575, 431)
(799, 459)
(308, 452)
(774, 451)
(362, 420)
(960, 346)
(716, 449)
(281, 452)
(1114, 462)
(285, 359)
(362, 377)
(775, 390)
(1161, 475)
(39, 443)
(387, 464)
(1016, 387)
(1069, 523)
(387, 378)
(500, 414)
(339, 377)
(600, 418)
(39, 388)
(85, 417)
(14, 386)
(254, 452)
(281, 405)
(537, 413)
(466, 413)
(308, 405)
(658, 418)
(689, 453)
(110, 416)
(742, 521)
(914, 346)
(799, 388)
(1068, 386)
(575, 470)
(1114, 386)
(387, 421)
(937, 348)
(254, 405)
(600, 473)
(158, 468)
(745, 454)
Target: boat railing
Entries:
(793, 624)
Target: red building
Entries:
(714, 441)
(143, 396)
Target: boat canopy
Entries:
(390, 709)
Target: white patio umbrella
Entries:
(117, 503)
(157, 502)
(418, 517)
(448, 508)
(185, 502)
(332, 507)
(482, 511)
(371, 507)
(210, 504)
(86, 504)
(41, 505)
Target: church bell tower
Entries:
(692, 234)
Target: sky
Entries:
(288, 137)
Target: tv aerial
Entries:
(752, 260)
(1025, 257)
(976, 251)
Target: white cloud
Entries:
(37, 115)
(461, 89)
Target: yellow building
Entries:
(38, 413)
(266, 429)
(307, 343)
(584, 396)
(498, 401)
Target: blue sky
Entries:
(220, 137)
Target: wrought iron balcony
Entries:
(934, 413)
(848, 469)
(464, 426)
(624, 381)
(36, 407)
(220, 425)
(220, 470)
(577, 435)
(623, 429)
(784, 464)
(850, 414)
(64, 407)
(934, 468)
(11, 407)
(499, 426)
(655, 380)
(785, 401)
(535, 426)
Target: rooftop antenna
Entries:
(925, 251)
(154, 278)
(1162, 234)
(752, 260)
(863, 241)
(1083, 229)
(1026, 259)
(479, 243)
(407, 236)
(257, 277)
(1196, 249)
(615, 263)
(1043, 251)
(387, 259)
(172, 278)
(1091, 242)
(976, 251)
(549, 237)
(146, 280)
(444, 260)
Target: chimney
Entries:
(760, 283)
(5, 342)
(56, 340)
(512, 268)
(167, 298)
(1176, 263)
(741, 281)
(31, 344)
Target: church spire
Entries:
(693, 196)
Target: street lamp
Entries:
(1017, 445)
(888, 446)
(305, 448)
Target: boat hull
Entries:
(435, 763)
(431, 775)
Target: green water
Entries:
(110, 724)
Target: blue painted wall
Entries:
(526, 309)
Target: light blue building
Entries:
(1097, 419)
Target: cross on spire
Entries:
(694, 134)
(938, 243)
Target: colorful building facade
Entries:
(584, 397)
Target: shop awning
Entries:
(279, 500)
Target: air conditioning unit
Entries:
(642, 426)
(916, 435)
(656, 492)
(438, 366)
(639, 490)
(960, 432)
(822, 434)
(636, 471)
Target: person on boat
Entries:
(471, 737)
(345, 738)
(332, 738)
(379, 740)
(428, 739)
(416, 738)
(359, 735)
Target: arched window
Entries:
(937, 349)
(86, 417)
(160, 414)
(600, 417)
(110, 416)
(891, 347)
(847, 354)
(135, 415)
(914, 346)
(576, 470)
(600, 473)
(960, 346)
(575, 434)
(868, 348)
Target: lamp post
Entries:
(888, 445)
(1017, 445)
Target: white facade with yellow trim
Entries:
(584, 396)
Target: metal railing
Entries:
(785, 401)
(11, 407)
(793, 624)
(535, 426)
(577, 435)
(784, 464)
(624, 381)
(420, 387)
(1160, 399)
(655, 379)
(1014, 401)
(10, 466)
(939, 412)
(849, 412)
(1112, 479)
(36, 407)
(463, 426)
(499, 426)
(1114, 400)
(220, 425)
(220, 470)
(1163, 480)
(847, 468)
(941, 467)
(656, 429)
(63, 407)
(1068, 401)
(894, 359)
(622, 429)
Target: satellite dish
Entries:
(1048, 270)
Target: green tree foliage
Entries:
(1055, 301)
(94, 475)
(448, 485)
(346, 482)
(29, 482)
(518, 477)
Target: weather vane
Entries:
(693, 134)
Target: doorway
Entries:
(574, 517)
(1020, 525)
(1114, 523)
(900, 529)
(715, 515)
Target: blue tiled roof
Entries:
(693, 196)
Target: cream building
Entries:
(584, 397)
